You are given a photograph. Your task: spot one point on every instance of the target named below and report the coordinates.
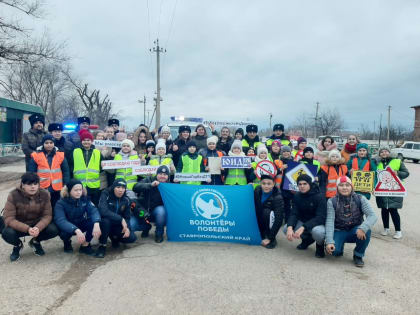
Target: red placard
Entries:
(266, 168)
(389, 185)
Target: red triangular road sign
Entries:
(389, 185)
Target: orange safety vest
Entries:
(355, 165)
(219, 153)
(332, 178)
(279, 176)
(49, 176)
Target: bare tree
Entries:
(330, 122)
(302, 126)
(398, 134)
(366, 133)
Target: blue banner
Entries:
(210, 213)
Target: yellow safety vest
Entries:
(245, 144)
(154, 161)
(236, 176)
(191, 166)
(88, 175)
(126, 173)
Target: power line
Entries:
(160, 13)
(148, 44)
(172, 23)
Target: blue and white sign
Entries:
(236, 161)
(294, 170)
(210, 213)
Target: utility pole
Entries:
(144, 108)
(374, 129)
(271, 116)
(389, 122)
(148, 115)
(316, 121)
(157, 50)
(380, 131)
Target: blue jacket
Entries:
(70, 213)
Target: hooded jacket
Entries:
(148, 196)
(69, 213)
(224, 146)
(113, 208)
(309, 207)
(140, 148)
(320, 147)
(23, 211)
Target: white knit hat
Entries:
(262, 148)
(212, 139)
(160, 144)
(334, 153)
(165, 129)
(236, 144)
(129, 142)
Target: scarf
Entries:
(350, 148)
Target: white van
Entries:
(410, 150)
(174, 126)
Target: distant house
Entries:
(14, 119)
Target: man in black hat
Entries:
(33, 138)
(56, 130)
(180, 143)
(114, 123)
(151, 202)
(73, 138)
(278, 134)
(251, 139)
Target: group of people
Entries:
(66, 191)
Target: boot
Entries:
(305, 243)
(319, 253)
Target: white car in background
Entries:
(410, 151)
(174, 126)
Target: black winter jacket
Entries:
(113, 208)
(310, 208)
(149, 197)
(182, 147)
(273, 203)
(30, 141)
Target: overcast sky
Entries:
(233, 60)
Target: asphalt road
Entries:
(211, 278)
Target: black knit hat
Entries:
(305, 178)
(55, 126)
(239, 130)
(119, 182)
(113, 122)
(184, 128)
(150, 143)
(252, 128)
(278, 127)
(47, 137)
(191, 143)
(266, 176)
(83, 119)
(163, 169)
(36, 117)
(308, 149)
(72, 183)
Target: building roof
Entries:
(416, 106)
(29, 108)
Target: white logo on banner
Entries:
(209, 204)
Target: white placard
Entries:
(145, 170)
(107, 143)
(215, 164)
(116, 164)
(192, 177)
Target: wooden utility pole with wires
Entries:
(157, 50)
(316, 121)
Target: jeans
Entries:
(158, 216)
(317, 232)
(342, 236)
(84, 226)
(113, 230)
(12, 236)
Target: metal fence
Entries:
(10, 149)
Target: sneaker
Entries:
(385, 232)
(397, 235)
(319, 253)
(101, 251)
(158, 238)
(271, 245)
(15, 255)
(358, 261)
(36, 247)
(87, 250)
(67, 247)
(305, 244)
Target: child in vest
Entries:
(127, 152)
(251, 154)
(161, 158)
(298, 154)
(237, 176)
(211, 152)
(286, 157)
(275, 157)
(262, 155)
(333, 169)
(87, 166)
(308, 158)
(191, 162)
(361, 162)
(106, 155)
(150, 151)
